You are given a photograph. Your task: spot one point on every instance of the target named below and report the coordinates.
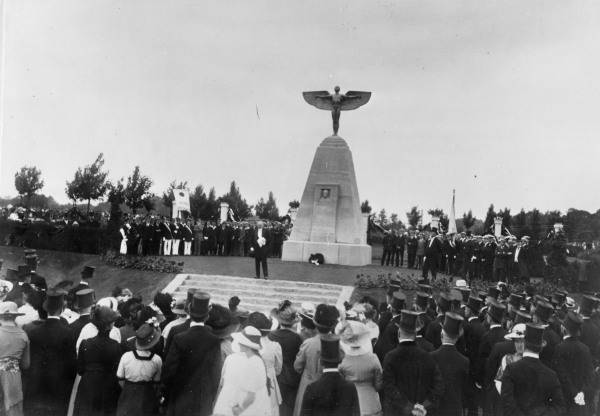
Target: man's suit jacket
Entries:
(531, 388)
(53, 361)
(261, 252)
(165, 231)
(552, 340)
(176, 231)
(433, 249)
(457, 383)
(39, 281)
(424, 344)
(192, 372)
(388, 340)
(177, 329)
(590, 336)
(186, 233)
(433, 333)
(76, 327)
(331, 395)
(489, 339)
(410, 376)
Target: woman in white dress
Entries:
(243, 386)
(272, 357)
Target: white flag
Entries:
(452, 219)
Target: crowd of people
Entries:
(62, 352)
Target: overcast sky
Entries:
(497, 99)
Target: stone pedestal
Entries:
(224, 211)
(329, 220)
(498, 226)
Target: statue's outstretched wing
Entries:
(355, 99)
(319, 99)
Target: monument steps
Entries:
(258, 295)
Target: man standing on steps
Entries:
(260, 244)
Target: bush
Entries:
(151, 263)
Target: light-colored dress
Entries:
(31, 314)
(273, 359)
(308, 363)
(242, 375)
(366, 374)
(14, 355)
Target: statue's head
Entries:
(336, 89)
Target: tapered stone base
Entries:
(334, 253)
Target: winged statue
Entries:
(336, 102)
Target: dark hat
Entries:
(558, 298)
(544, 311)
(259, 321)
(522, 317)
(534, 335)
(588, 304)
(474, 304)
(146, 337)
(455, 300)
(84, 298)
(444, 302)
(326, 316)
(425, 288)
(12, 275)
(88, 272)
(573, 322)
(32, 261)
(422, 300)
(496, 311)
(465, 293)
(330, 348)
(408, 321)
(220, 320)
(398, 301)
(199, 306)
(190, 295)
(55, 300)
(452, 324)
(482, 295)
(23, 271)
(515, 300)
(493, 292)
(29, 251)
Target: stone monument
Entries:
(329, 220)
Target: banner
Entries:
(181, 201)
(452, 218)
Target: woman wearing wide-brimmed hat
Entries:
(139, 372)
(243, 388)
(222, 324)
(361, 366)
(14, 356)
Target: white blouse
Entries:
(144, 368)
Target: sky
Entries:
(496, 99)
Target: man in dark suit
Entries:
(590, 332)
(331, 395)
(575, 369)
(388, 339)
(543, 314)
(473, 333)
(178, 329)
(433, 255)
(528, 386)
(388, 243)
(84, 300)
(433, 333)
(399, 243)
(147, 235)
(412, 382)
(86, 274)
(260, 249)
(52, 370)
(494, 335)
(166, 237)
(454, 368)
(192, 368)
(176, 232)
(411, 249)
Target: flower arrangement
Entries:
(149, 263)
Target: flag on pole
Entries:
(452, 219)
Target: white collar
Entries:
(330, 370)
(530, 354)
(492, 326)
(405, 340)
(192, 323)
(567, 337)
(53, 317)
(83, 282)
(473, 317)
(448, 343)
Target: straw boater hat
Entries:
(355, 338)
(146, 337)
(249, 337)
(9, 310)
(517, 332)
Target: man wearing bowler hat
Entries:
(528, 386)
(191, 372)
(454, 368)
(412, 382)
(331, 395)
(574, 367)
(52, 371)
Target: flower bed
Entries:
(150, 263)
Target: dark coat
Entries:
(49, 379)
(590, 336)
(531, 388)
(489, 339)
(388, 340)
(493, 362)
(261, 252)
(575, 370)
(177, 329)
(457, 383)
(77, 325)
(410, 376)
(290, 343)
(433, 333)
(39, 281)
(424, 344)
(165, 231)
(552, 340)
(331, 395)
(474, 331)
(192, 372)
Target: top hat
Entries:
(588, 304)
(88, 272)
(425, 288)
(474, 304)
(55, 300)
(452, 324)
(398, 301)
(32, 261)
(444, 302)
(515, 300)
(544, 311)
(534, 335)
(573, 322)
(12, 275)
(493, 292)
(9, 310)
(522, 317)
(29, 251)
(326, 316)
(190, 295)
(84, 298)
(23, 271)
(422, 300)
(330, 348)
(286, 313)
(249, 337)
(199, 306)
(259, 321)
(465, 293)
(146, 337)
(496, 311)
(559, 298)
(408, 321)
(221, 321)
(482, 295)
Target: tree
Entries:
(116, 197)
(551, 218)
(535, 223)
(468, 220)
(28, 181)
(414, 216)
(238, 204)
(519, 224)
(267, 210)
(382, 217)
(488, 223)
(505, 214)
(197, 201)
(211, 208)
(88, 183)
(294, 204)
(137, 190)
(444, 220)
(365, 208)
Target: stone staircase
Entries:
(258, 295)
